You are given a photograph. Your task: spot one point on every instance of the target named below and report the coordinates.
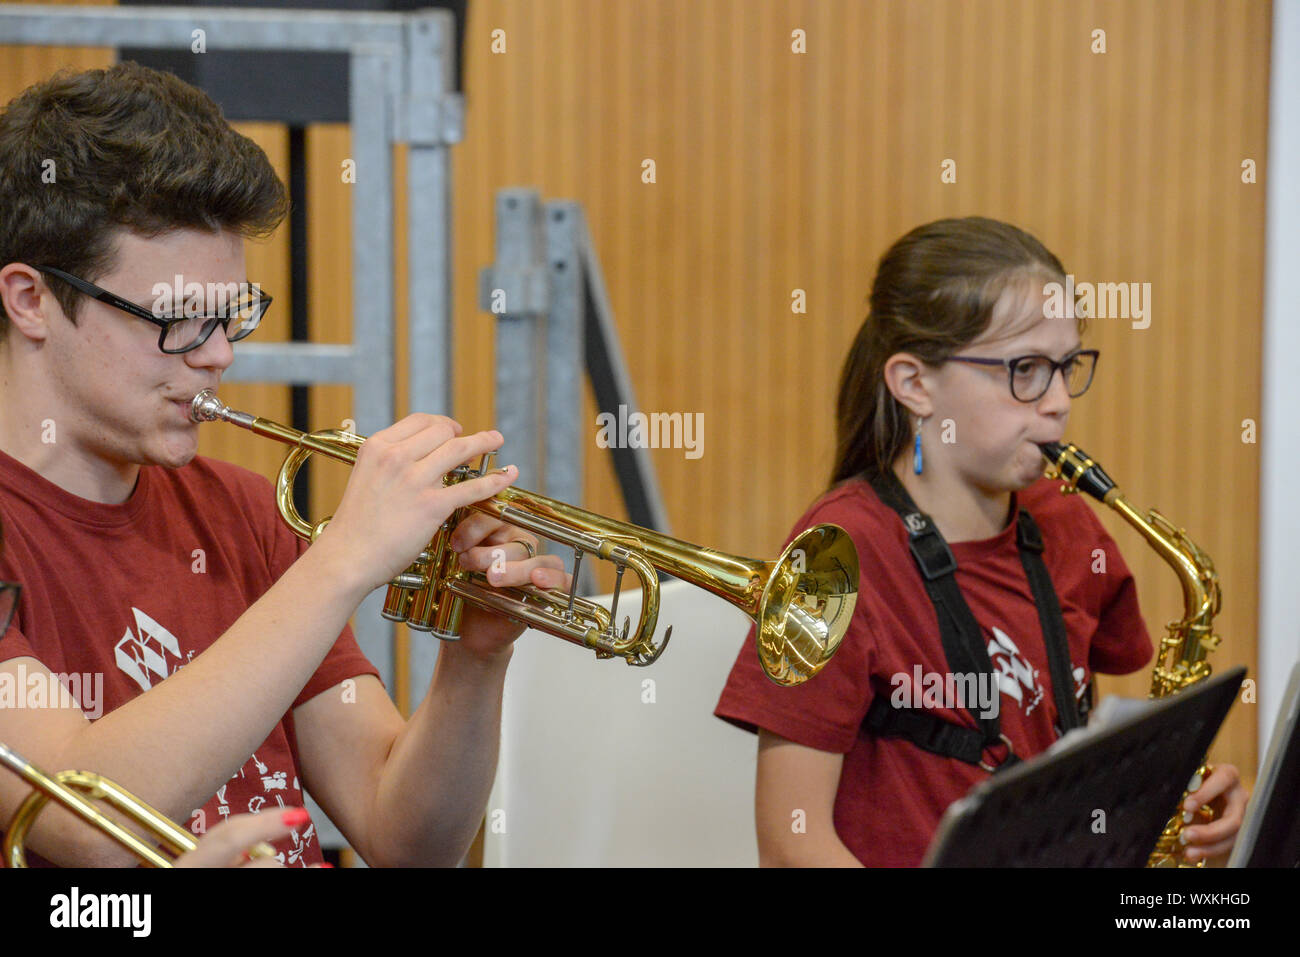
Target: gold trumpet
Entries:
(78, 791)
(801, 603)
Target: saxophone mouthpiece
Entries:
(1077, 469)
(206, 407)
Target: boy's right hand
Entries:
(395, 499)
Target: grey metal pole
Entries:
(516, 290)
(372, 301)
(434, 117)
(565, 360)
(435, 120)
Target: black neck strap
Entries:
(963, 642)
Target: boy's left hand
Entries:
(498, 550)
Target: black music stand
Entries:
(1096, 800)
(1270, 833)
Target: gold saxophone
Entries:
(1180, 662)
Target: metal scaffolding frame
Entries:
(401, 80)
(554, 322)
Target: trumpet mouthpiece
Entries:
(206, 407)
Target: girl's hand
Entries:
(1223, 791)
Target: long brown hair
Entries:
(84, 154)
(934, 293)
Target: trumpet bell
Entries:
(807, 604)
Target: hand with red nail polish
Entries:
(295, 817)
(242, 840)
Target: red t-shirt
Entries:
(134, 591)
(891, 793)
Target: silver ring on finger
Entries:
(527, 547)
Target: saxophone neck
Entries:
(1195, 571)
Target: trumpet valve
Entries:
(444, 568)
(397, 603)
(421, 609)
(403, 590)
(446, 621)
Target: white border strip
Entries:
(1279, 579)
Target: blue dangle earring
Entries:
(916, 448)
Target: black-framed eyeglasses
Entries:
(9, 592)
(178, 333)
(1031, 376)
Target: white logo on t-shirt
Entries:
(1017, 679)
(144, 656)
(149, 654)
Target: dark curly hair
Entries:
(85, 154)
